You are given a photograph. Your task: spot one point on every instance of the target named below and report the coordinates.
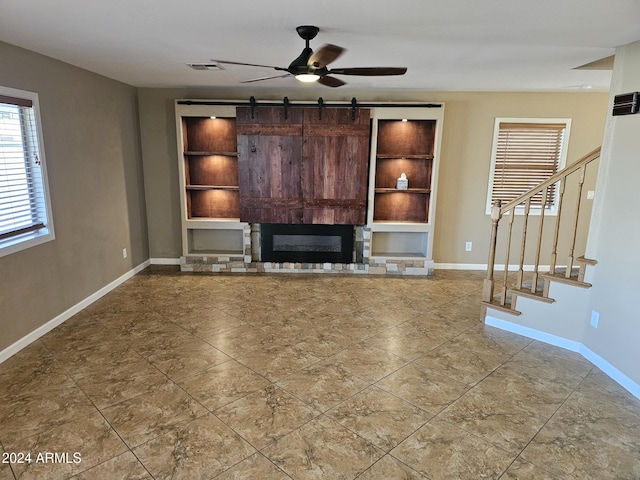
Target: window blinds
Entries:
(527, 154)
(22, 205)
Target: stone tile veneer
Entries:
(247, 263)
(238, 264)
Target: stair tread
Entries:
(575, 271)
(526, 292)
(586, 261)
(559, 277)
(526, 285)
(503, 308)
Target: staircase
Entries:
(554, 237)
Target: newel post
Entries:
(487, 287)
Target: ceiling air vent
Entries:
(205, 66)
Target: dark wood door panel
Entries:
(335, 166)
(269, 164)
(303, 168)
(270, 210)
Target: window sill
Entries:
(23, 242)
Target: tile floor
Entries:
(175, 376)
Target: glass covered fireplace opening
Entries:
(306, 243)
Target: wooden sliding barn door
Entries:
(306, 168)
(269, 164)
(335, 166)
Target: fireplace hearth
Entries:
(306, 243)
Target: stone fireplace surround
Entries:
(249, 261)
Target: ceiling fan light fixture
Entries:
(310, 67)
(308, 77)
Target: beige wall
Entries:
(613, 239)
(465, 163)
(95, 151)
(96, 148)
(92, 147)
(464, 166)
(615, 232)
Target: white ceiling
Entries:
(447, 45)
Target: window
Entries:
(25, 215)
(526, 152)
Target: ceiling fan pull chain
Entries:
(354, 105)
(320, 105)
(285, 102)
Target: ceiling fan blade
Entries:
(328, 81)
(325, 55)
(248, 64)
(370, 71)
(266, 78)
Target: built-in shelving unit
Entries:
(207, 148)
(401, 220)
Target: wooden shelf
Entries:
(215, 242)
(212, 203)
(399, 156)
(412, 139)
(210, 154)
(408, 190)
(403, 147)
(204, 134)
(399, 244)
(398, 255)
(388, 170)
(217, 253)
(208, 159)
(210, 166)
(212, 187)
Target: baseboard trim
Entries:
(460, 266)
(164, 261)
(628, 384)
(625, 382)
(534, 334)
(67, 314)
(483, 266)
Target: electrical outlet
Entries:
(468, 246)
(124, 253)
(590, 194)
(595, 318)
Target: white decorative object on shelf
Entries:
(402, 183)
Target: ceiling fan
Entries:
(312, 67)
